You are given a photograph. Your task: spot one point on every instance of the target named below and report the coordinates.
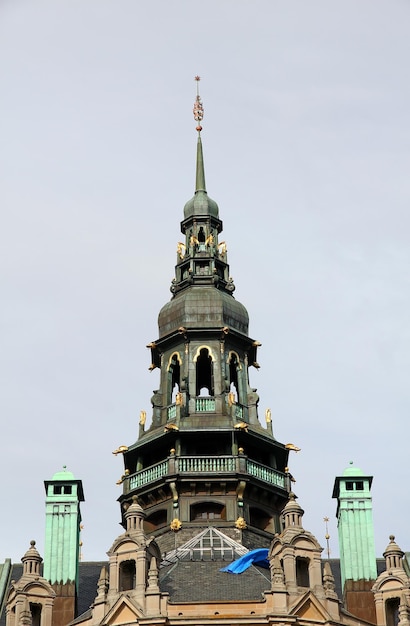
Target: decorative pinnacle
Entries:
(198, 109)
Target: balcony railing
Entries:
(171, 411)
(149, 475)
(204, 404)
(267, 474)
(206, 465)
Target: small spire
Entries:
(198, 116)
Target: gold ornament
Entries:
(241, 524)
(175, 525)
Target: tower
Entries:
(205, 459)
(62, 542)
(356, 539)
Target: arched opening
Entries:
(233, 376)
(392, 611)
(204, 373)
(35, 610)
(201, 235)
(156, 520)
(174, 379)
(127, 575)
(262, 520)
(207, 511)
(302, 572)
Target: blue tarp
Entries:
(257, 557)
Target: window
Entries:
(302, 572)
(155, 520)
(392, 611)
(174, 378)
(349, 485)
(204, 373)
(67, 489)
(57, 489)
(262, 520)
(359, 485)
(233, 376)
(127, 575)
(208, 511)
(35, 610)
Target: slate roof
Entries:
(193, 581)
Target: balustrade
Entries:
(171, 411)
(266, 474)
(207, 465)
(204, 404)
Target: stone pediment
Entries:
(124, 611)
(309, 607)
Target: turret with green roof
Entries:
(355, 525)
(63, 517)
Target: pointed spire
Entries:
(200, 171)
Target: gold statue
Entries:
(178, 399)
(222, 248)
(181, 249)
(143, 417)
(268, 416)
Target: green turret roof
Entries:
(64, 474)
(351, 470)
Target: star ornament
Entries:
(197, 78)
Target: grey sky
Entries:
(307, 152)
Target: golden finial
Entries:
(198, 107)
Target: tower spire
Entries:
(198, 116)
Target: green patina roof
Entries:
(351, 470)
(64, 475)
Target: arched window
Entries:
(233, 373)
(204, 373)
(127, 575)
(155, 520)
(174, 378)
(302, 572)
(207, 511)
(392, 611)
(261, 519)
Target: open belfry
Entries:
(212, 531)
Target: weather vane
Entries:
(198, 110)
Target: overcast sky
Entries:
(307, 152)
